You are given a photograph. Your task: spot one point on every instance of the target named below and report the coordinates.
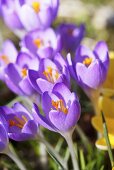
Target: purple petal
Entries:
(58, 119)
(11, 18)
(10, 50)
(30, 128)
(62, 90)
(59, 60)
(46, 52)
(46, 103)
(72, 115)
(33, 76)
(101, 50)
(18, 107)
(12, 72)
(12, 86)
(26, 87)
(70, 66)
(33, 22)
(86, 74)
(44, 85)
(3, 138)
(45, 17)
(43, 120)
(83, 52)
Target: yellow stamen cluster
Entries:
(24, 72)
(59, 106)
(51, 74)
(36, 6)
(5, 59)
(87, 61)
(38, 42)
(19, 122)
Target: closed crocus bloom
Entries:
(41, 13)
(8, 54)
(10, 14)
(21, 123)
(16, 75)
(43, 44)
(49, 74)
(61, 109)
(70, 36)
(89, 68)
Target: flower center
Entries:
(19, 122)
(70, 31)
(59, 106)
(51, 74)
(36, 6)
(87, 61)
(5, 59)
(38, 42)
(24, 72)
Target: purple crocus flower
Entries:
(10, 14)
(41, 13)
(90, 68)
(49, 73)
(61, 109)
(43, 44)
(16, 75)
(21, 123)
(70, 36)
(8, 54)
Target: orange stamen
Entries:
(19, 122)
(24, 72)
(59, 106)
(38, 42)
(51, 74)
(36, 6)
(87, 61)
(5, 59)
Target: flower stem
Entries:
(15, 158)
(52, 150)
(68, 137)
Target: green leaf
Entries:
(56, 160)
(82, 159)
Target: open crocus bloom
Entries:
(43, 44)
(61, 109)
(49, 74)
(21, 123)
(89, 68)
(8, 54)
(41, 13)
(16, 75)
